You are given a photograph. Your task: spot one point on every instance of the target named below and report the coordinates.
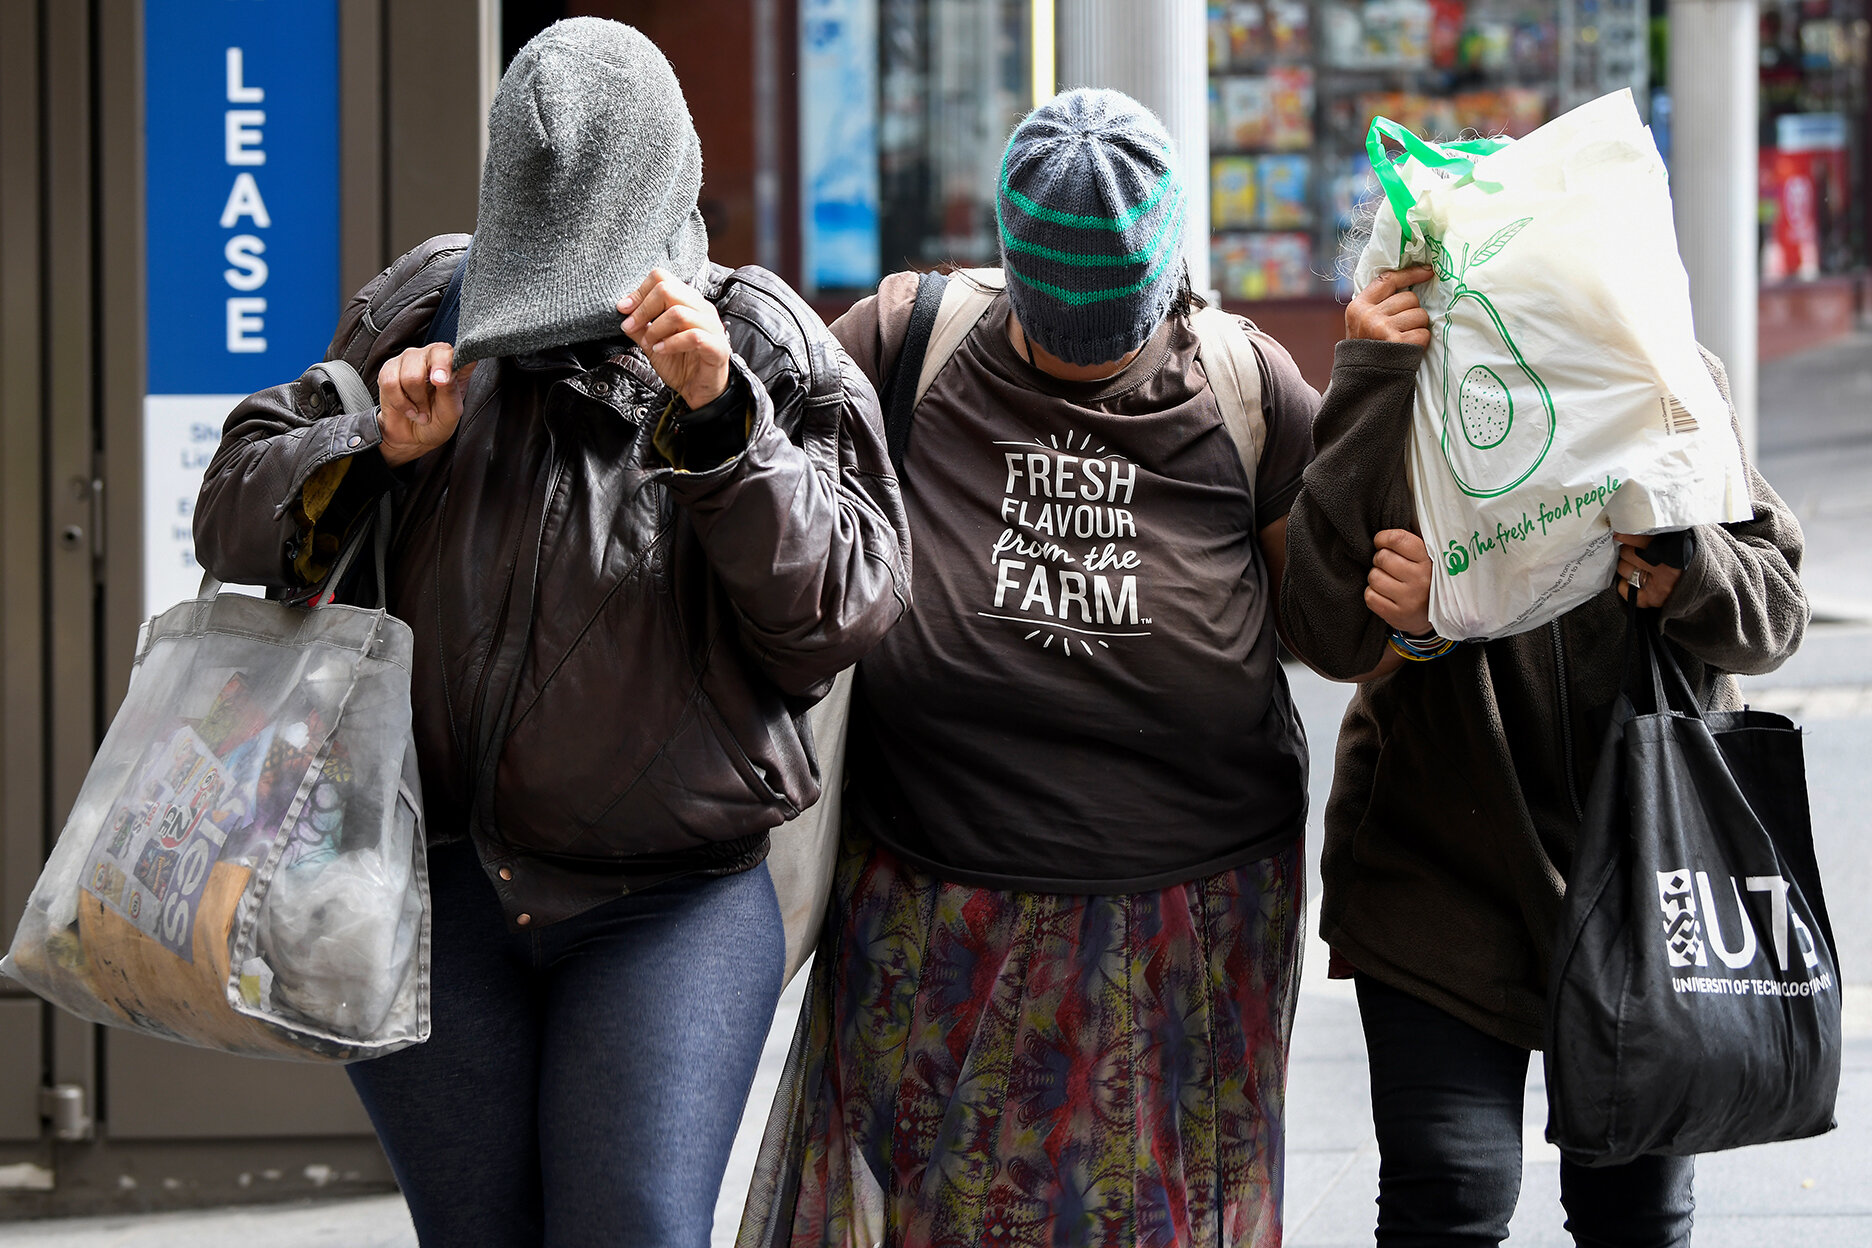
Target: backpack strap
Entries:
(1233, 365)
(900, 398)
(402, 300)
(945, 311)
(964, 302)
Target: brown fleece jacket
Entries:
(1452, 819)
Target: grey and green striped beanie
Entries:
(1091, 212)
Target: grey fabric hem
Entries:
(583, 310)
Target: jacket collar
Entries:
(577, 357)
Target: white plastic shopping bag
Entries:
(1563, 396)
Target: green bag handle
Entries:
(1460, 155)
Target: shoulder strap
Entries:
(945, 311)
(899, 398)
(963, 303)
(1233, 365)
(354, 397)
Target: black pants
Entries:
(1446, 1103)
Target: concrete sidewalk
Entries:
(1807, 1194)
(1815, 448)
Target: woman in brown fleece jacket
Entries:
(1457, 788)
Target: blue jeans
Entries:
(583, 1082)
(1446, 1104)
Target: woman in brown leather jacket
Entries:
(643, 515)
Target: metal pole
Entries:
(1157, 53)
(1714, 69)
(767, 154)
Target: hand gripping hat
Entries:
(1091, 211)
(591, 178)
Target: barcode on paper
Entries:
(1677, 417)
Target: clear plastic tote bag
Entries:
(244, 867)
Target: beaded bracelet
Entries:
(1421, 649)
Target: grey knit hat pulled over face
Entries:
(1091, 211)
(591, 178)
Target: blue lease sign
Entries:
(241, 174)
(241, 145)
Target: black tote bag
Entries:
(1694, 1003)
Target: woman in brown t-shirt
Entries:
(1053, 999)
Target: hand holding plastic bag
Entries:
(1563, 395)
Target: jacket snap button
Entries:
(601, 388)
(506, 873)
(357, 439)
(523, 919)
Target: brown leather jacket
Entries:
(614, 657)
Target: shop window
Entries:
(905, 106)
(1294, 85)
(1813, 140)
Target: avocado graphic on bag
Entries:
(1499, 424)
(1582, 312)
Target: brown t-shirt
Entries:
(1085, 696)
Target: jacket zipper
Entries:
(488, 657)
(487, 753)
(1566, 719)
(448, 697)
(489, 660)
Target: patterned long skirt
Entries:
(1036, 1070)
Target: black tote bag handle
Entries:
(1654, 680)
(1664, 1034)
